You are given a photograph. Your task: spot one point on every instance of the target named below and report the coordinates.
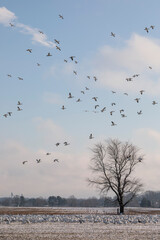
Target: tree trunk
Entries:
(121, 209)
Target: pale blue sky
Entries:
(85, 32)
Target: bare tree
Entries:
(113, 164)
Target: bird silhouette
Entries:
(58, 48)
(140, 112)
(146, 29)
(91, 136)
(66, 143)
(55, 160)
(60, 16)
(56, 41)
(137, 100)
(95, 98)
(95, 78)
(38, 160)
(103, 109)
(152, 27)
(113, 123)
(19, 109)
(29, 50)
(111, 112)
(63, 107)
(49, 54)
(9, 113)
(9, 75)
(154, 102)
(48, 153)
(72, 57)
(20, 78)
(70, 96)
(24, 162)
(141, 91)
(40, 32)
(113, 34)
(11, 24)
(19, 103)
(57, 144)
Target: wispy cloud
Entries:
(7, 17)
(113, 65)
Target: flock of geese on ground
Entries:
(70, 96)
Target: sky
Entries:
(83, 31)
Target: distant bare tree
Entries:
(113, 164)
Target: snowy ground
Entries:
(95, 225)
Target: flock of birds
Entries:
(78, 100)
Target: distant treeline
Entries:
(147, 199)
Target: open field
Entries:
(79, 224)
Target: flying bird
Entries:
(82, 92)
(95, 98)
(48, 153)
(103, 109)
(78, 100)
(19, 109)
(11, 24)
(86, 88)
(123, 115)
(96, 106)
(75, 72)
(63, 107)
(38, 64)
(111, 112)
(49, 54)
(141, 91)
(129, 79)
(20, 78)
(19, 103)
(70, 96)
(60, 16)
(58, 48)
(113, 34)
(152, 27)
(113, 104)
(38, 160)
(66, 143)
(56, 41)
(40, 32)
(57, 144)
(72, 57)
(154, 102)
(140, 112)
(137, 100)
(9, 75)
(55, 160)
(113, 123)
(75, 62)
(24, 162)
(9, 113)
(5, 115)
(91, 136)
(95, 78)
(29, 50)
(88, 77)
(150, 67)
(146, 29)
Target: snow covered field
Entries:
(78, 224)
